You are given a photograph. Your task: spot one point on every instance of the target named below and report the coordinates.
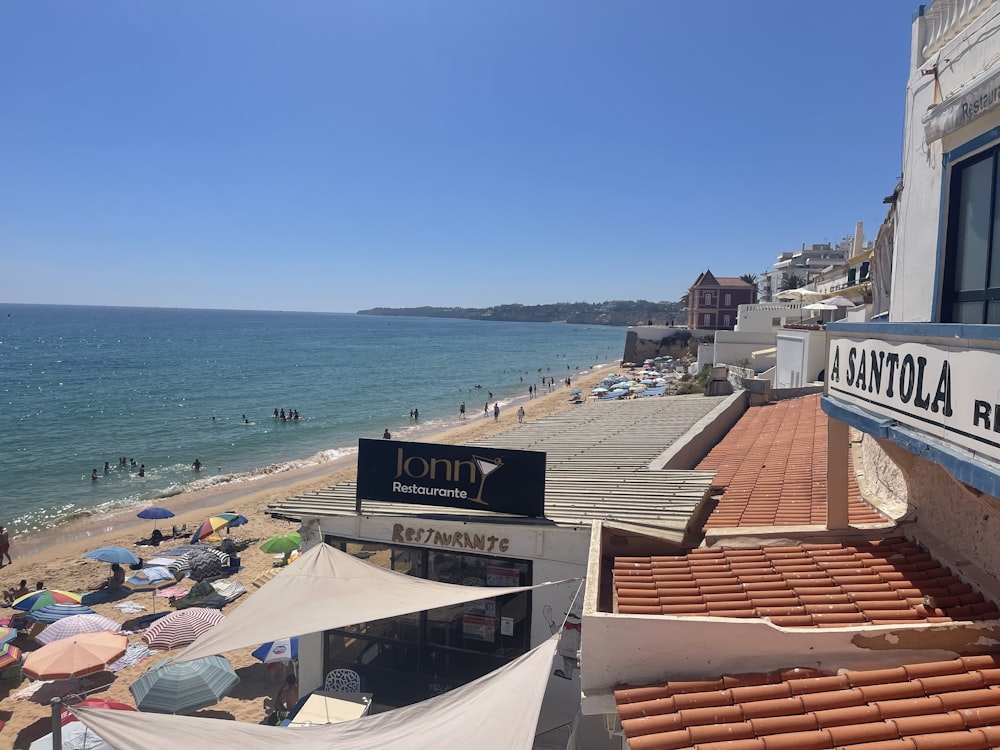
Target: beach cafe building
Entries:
(514, 510)
(922, 385)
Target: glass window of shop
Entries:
(411, 657)
(971, 285)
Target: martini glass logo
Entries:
(486, 467)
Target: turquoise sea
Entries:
(81, 386)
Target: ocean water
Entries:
(81, 386)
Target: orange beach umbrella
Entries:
(74, 657)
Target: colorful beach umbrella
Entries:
(74, 657)
(67, 717)
(282, 649)
(9, 656)
(284, 543)
(118, 555)
(67, 627)
(185, 687)
(213, 524)
(55, 612)
(37, 599)
(9, 634)
(181, 627)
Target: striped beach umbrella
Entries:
(266, 576)
(150, 579)
(44, 598)
(74, 657)
(7, 634)
(9, 656)
(214, 523)
(185, 687)
(55, 612)
(181, 627)
(67, 627)
(201, 562)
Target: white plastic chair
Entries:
(343, 681)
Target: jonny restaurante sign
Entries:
(453, 476)
(952, 394)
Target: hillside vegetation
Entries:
(612, 313)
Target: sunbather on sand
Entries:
(113, 581)
(13, 593)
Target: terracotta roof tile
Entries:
(924, 706)
(772, 468)
(829, 585)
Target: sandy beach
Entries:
(57, 559)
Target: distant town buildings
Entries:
(713, 302)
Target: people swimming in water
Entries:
(196, 465)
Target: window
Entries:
(707, 320)
(708, 298)
(729, 300)
(725, 320)
(411, 657)
(971, 283)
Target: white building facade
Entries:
(923, 386)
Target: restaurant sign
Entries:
(452, 476)
(975, 100)
(950, 393)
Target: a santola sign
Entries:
(951, 393)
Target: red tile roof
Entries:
(948, 704)
(772, 466)
(812, 585)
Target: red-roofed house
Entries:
(713, 301)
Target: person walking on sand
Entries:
(496, 412)
(461, 411)
(520, 414)
(4, 546)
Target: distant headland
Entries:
(613, 313)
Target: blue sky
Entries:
(334, 156)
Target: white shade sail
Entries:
(324, 589)
(499, 711)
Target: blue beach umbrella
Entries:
(575, 391)
(154, 514)
(118, 555)
(282, 649)
(185, 687)
(150, 579)
(54, 612)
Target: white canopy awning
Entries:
(496, 712)
(324, 589)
